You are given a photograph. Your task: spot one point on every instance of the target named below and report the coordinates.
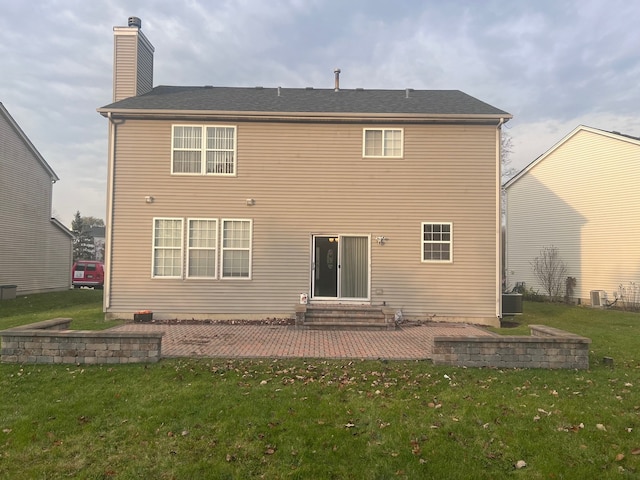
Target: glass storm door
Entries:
(340, 267)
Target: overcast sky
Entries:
(553, 64)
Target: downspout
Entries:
(499, 218)
(109, 230)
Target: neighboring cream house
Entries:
(35, 249)
(233, 203)
(582, 197)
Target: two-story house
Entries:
(235, 203)
(581, 197)
(35, 249)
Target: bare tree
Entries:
(506, 149)
(550, 271)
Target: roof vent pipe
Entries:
(337, 72)
(406, 92)
(135, 22)
(278, 91)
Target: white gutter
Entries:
(499, 217)
(108, 230)
(353, 116)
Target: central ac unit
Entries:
(598, 298)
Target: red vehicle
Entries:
(87, 273)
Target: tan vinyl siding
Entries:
(580, 198)
(35, 254)
(312, 179)
(124, 67)
(132, 64)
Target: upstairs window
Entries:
(382, 143)
(437, 242)
(203, 150)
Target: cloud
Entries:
(552, 64)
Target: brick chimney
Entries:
(132, 61)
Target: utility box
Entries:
(511, 304)
(8, 292)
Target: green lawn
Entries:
(83, 305)
(318, 419)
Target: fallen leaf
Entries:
(601, 427)
(635, 451)
(521, 464)
(619, 457)
(350, 425)
(270, 450)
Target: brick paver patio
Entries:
(414, 342)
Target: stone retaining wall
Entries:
(547, 347)
(51, 341)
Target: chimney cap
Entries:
(135, 22)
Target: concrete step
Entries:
(344, 317)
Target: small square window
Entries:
(437, 242)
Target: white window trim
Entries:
(223, 249)
(364, 138)
(153, 249)
(423, 242)
(189, 248)
(203, 157)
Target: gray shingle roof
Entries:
(307, 100)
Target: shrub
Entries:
(629, 297)
(550, 271)
(532, 295)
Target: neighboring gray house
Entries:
(35, 249)
(583, 197)
(235, 203)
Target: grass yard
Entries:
(319, 419)
(83, 305)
